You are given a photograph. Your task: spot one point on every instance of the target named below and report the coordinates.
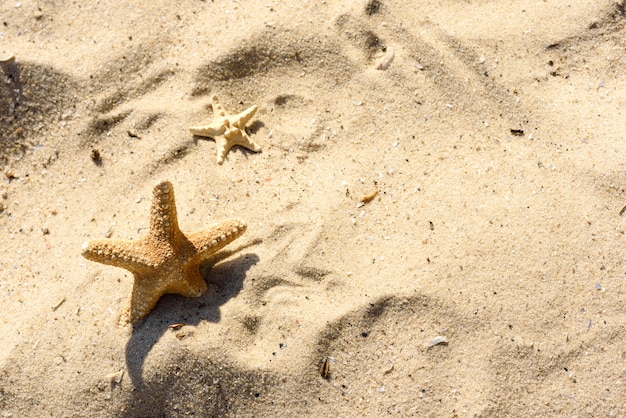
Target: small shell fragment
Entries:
(7, 58)
(383, 62)
(437, 340)
(59, 303)
(369, 197)
(390, 369)
(175, 327)
(115, 378)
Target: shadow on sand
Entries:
(227, 277)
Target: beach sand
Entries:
(492, 132)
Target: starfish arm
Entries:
(222, 146)
(211, 130)
(193, 284)
(147, 290)
(241, 138)
(212, 239)
(231, 138)
(143, 299)
(125, 254)
(244, 117)
(163, 218)
(218, 109)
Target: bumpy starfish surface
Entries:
(227, 130)
(165, 260)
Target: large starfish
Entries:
(165, 260)
(227, 130)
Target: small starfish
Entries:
(165, 260)
(227, 130)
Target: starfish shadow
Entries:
(225, 281)
(12, 71)
(255, 126)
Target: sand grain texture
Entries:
(494, 139)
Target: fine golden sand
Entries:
(435, 220)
